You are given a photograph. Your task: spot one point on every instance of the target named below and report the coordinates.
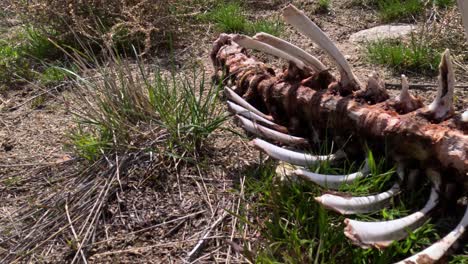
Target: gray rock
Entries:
(382, 32)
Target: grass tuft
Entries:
(396, 10)
(232, 18)
(131, 107)
(415, 56)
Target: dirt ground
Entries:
(178, 218)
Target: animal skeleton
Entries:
(306, 100)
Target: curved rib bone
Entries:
(237, 109)
(382, 234)
(302, 23)
(259, 130)
(358, 205)
(437, 250)
(239, 100)
(333, 182)
(293, 157)
(250, 43)
(442, 106)
(291, 49)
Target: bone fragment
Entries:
(291, 49)
(303, 24)
(262, 131)
(405, 102)
(294, 157)
(250, 43)
(464, 117)
(333, 182)
(433, 253)
(382, 234)
(442, 106)
(239, 100)
(375, 91)
(358, 205)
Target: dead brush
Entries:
(112, 22)
(147, 123)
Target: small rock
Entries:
(382, 32)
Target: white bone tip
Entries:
(464, 117)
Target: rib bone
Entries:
(237, 109)
(358, 205)
(239, 100)
(260, 130)
(293, 157)
(433, 253)
(442, 106)
(382, 234)
(302, 23)
(250, 43)
(333, 182)
(291, 49)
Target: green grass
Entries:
(323, 6)
(131, 105)
(295, 229)
(232, 18)
(415, 56)
(397, 10)
(52, 75)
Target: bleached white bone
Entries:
(442, 106)
(302, 23)
(464, 117)
(250, 43)
(463, 6)
(240, 101)
(333, 182)
(404, 94)
(383, 233)
(291, 49)
(438, 249)
(262, 131)
(248, 114)
(358, 205)
(294, 157)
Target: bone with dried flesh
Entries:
(305, 107)
(405, 102)
(250, 43)
(358, 205)
(333, 182)
(294, 157)
(375, 91)
(433, 253)
(296, 18)
(239, 100)
(262, 131)
(382, 234)
(442, 106)
(291, 49)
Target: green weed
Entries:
(298, 230)
(52, 75)
(393, 10)
(323, 6)
(415, 56)
(134, 104)
(232, 18)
